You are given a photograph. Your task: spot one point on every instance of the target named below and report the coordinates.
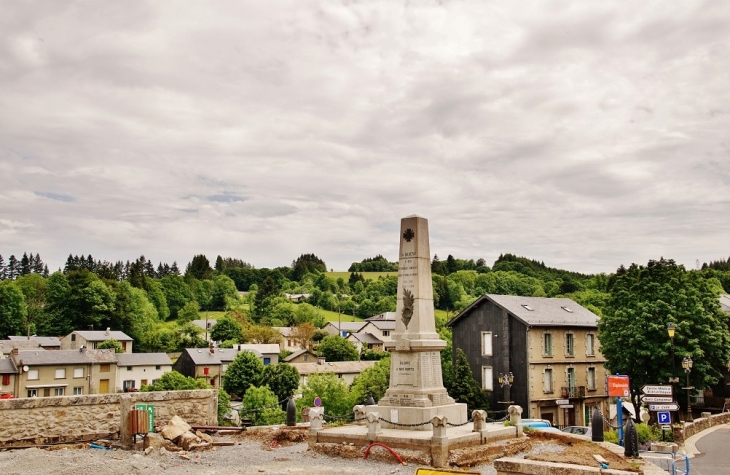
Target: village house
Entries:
(301, 356)
(345, 370)
(211, 363)
(135, 370)
(45, 342)
(91, 339)
(365, 341)
(287, 343)
(547, 346)
(343, 328)
(8, 377)
(380, 329)
(44, 373)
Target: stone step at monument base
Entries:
(405, 415)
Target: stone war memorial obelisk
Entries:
(416, 392)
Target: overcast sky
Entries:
(583, 134)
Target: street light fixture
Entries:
(505, 382)
(687, 365)
(670, 330)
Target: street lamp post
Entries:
(687, 365)
(670, 330)
(505, 382)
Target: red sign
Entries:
(618, 386)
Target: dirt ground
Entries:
(574, 450)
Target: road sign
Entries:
(566, 406)
(667, 427)
(648, 399)
(618, 386)
(664, 407)
(664, 418)
(317, 401)
(562, 401)
(657, 390)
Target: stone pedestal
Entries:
(416, 392)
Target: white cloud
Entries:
(579, 134)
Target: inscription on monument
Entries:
(405, 371)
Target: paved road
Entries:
(714, 458)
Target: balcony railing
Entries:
(573, 392)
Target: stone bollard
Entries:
(291, 412)
(439, 442)
(515, 417)
(631, 439)
(359, 412)
(706, 415)
(596, 425)
(374, 429)
(480, 420)
(316, 416)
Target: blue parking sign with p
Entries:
(664, 417)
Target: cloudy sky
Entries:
(584, 134)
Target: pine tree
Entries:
(149, 269)
(38, 267)
(69, 266)
(174, 269)
(13, 268)
(3, 270)
(219, 263)
(24, 264)
(464, 387)
(45, 271)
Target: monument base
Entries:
(455, 414)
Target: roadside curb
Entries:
(689, 445)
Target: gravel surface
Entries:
(248, 457)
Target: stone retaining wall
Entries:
(689, 429)
(36, 421)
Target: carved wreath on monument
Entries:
(407, 312)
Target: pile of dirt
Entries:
(481, 454)
(376, 452)
(578, 452)
(273, 437)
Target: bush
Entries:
(260, 405)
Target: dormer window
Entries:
(527, 307)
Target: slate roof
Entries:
(103, 335)
(202, 356)
(44, 341)
(143, 359)
(383, 324)
(296, 354)
(7, 346)
(337, 367)
(263, 348)
(382, 316)
(725, 303)
(61, 357)
(285, 331)
(348, 326)
(367, 338)
(7, 366)
(544, 311)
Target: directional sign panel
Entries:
(664, 418)
(664, 407)
(655, 399)
(657, 390)
(618, 386)
(566, 406)
(562, 401)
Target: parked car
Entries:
(536, 423)
(578, 430)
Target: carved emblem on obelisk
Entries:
(407, 312)
(409, 235)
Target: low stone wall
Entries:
(513, 466)
(37, 421)
(689, 429)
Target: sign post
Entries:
(619, 387)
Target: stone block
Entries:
(204, 437)
(156, 441)
(187, 440)
(175, 428)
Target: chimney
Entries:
(107, 331)
(212, 350)
(16, 351)
(320, 360)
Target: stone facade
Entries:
(682, 433)
(38, 421)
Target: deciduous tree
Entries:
(245, 371)
(337, 348)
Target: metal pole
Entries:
(620, 421)
(689, 404)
